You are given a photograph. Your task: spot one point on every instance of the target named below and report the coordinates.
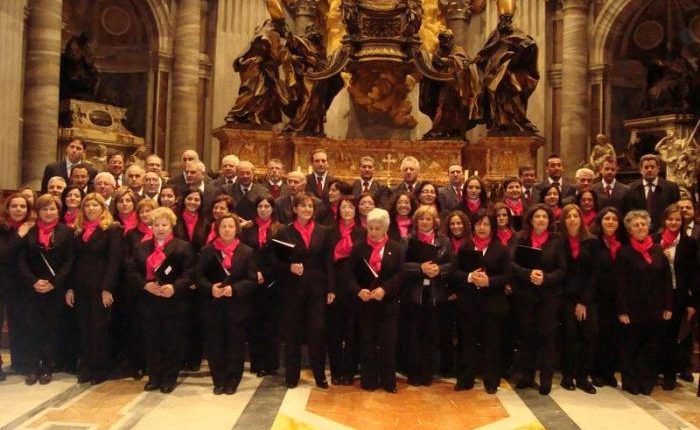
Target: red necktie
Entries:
(319, 185)
(365, 186)
(458, 191)
(608, 190)
(650, 196)
(275, 190)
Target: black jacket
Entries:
(581, 276)
(59, 256)
(553, 266)
(199, 236)
(97, 261)
(414, 278)
(390, 276)
(684, 269)
(10, 246)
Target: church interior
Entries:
(276, 79)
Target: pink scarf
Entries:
(473, 204)
(190, 219)
(45, 231)
(481, 244)
(537, 240)
(89, 228)
(404, 224)
(375, 258)
(589, 217)
(515, 206)
(613, 245)
(69, 217)
(227, 250)
(130, 221)
(575, 246)
(643, 247)
(426, 237)
(156, 258)
(668, 238)
(262, 230)
(212, 233)
(504, 235)
(146, 230)
(456, 243)
(305, 231)
(344, 245)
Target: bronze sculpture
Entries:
(508, 64)
(451, 105)
(79, 77)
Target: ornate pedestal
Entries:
(100, 126)
(496, 157)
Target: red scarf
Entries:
(504, 235)
(643, 247)
(344, 245)
(146, 230)
(69, 217)
(426, 237)
(473, 204)
(556, 211)
(457, 243)
(227, 250)
(305, 231)
(515, 206)
(334, 209)
(45, 231)
(575, 246)
(481, 244)
(130, 221)
(212, 233)
(262, 230)
(156, 258)
(668, 238)
(89, 228)
(613, 245)
(589, 217)
(404, 224)
(14, 224)
(190, 219)
(363, 221)
(537, 240)
(375, 258)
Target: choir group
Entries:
(124, 273)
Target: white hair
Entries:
(380, 216)
(199, 166)
(57, 179)
(584, 170)
(107, 177)
(409, 159)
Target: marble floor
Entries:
(264, 403)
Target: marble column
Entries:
(42, 70)
(12, 19)
(575, 132)
(184, 106)
(305, 12)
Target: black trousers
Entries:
(538, 316)
(606, 359)
(303, 313)
(42, 317)
(94, 321)
(342, 338)
(379, 324)
(423, 341)
(193, 332)
(480, 343)
(674, 357)
(262, 332)
(638, 351)
(164, 340)
(580, 339)
(224, 340)
(125, 331)
(448, 334)
(18, 330)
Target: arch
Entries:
(609, 26)
(159, 12)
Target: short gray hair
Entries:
(58, 179)
(584, 170)
(409, 159)
(199, 166)
(107, 177)
(380, 216)
(632, 215)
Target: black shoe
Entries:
(370, 389)
(218, 390)
(194, 367)
(260, 373)
(336, 380)
(346, 381)
(490, 389)
(668, 385)
(646, 391)
(610, 380)
(230, 390)
(151, 385)
(630, 389)
(391, 390)
(137, 374)
(586, 387)
(97, 381)
(167, 389)
(686, 376)
(292, 384)
(31, 379)
(545, 389)
(322, 384)
(84, 379)
(598, 381)
(414, 382)
(568, 384)
(463, 385)
(45, 378)
(524, 383)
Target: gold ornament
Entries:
(505, 7)
(275, 9)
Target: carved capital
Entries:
(461, 9)
(303, 7)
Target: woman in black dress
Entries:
(225, 279)
(537, 294)
(306, 286)
(45, 264)
(162, 271)
(98, 257)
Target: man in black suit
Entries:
(610, 192)
(151, 185)
(179, 181)
(691, 229)
(74, 151)
(367, 183)
(652, 193)
(135, 179)
(80, 177)
(317, 182)
(296, 183)
(115, 166)
(554, 175)
(227, 176)
(273, 181)
(105, 186)
(56, 185)
(450, 196)
(410, 169)
(244, 191)
(583, 180)
(528, 177)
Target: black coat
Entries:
(358, 234)
(318, 278)
(606, 279)
(644, 290)
(241, 277)
(581, 277)
(665, 193)
(684, 269)
(180, 253)
(10, 246)
(199, 236)
(413, 284)
(390, 276)
(97, 261)
(491, 299)
(59, 256)
(262, 260)
(553, 266)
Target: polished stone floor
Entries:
(263, 403)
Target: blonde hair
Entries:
(424, 210)
(106, 219)
(47, 200)
(162, 213)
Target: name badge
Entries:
(168, 270)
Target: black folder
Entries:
(169, 271)
(420, 252)
(284, 251)
(468, 260)
(528, 257)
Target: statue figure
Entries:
(451, 105)
(669, 82)
(414, 18)
(508, 64)
(679, 156)
(264, 68)
(601, 150)
(79, 78)
(309, 99)
(349, 13)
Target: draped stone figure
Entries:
(79, 77)
(452, 105)
(508, 64)
(309, 99)
(265, 69)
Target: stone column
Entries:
(458, 14)
(305, 12)
(42, 70)
(575, 132)
(183, 116)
